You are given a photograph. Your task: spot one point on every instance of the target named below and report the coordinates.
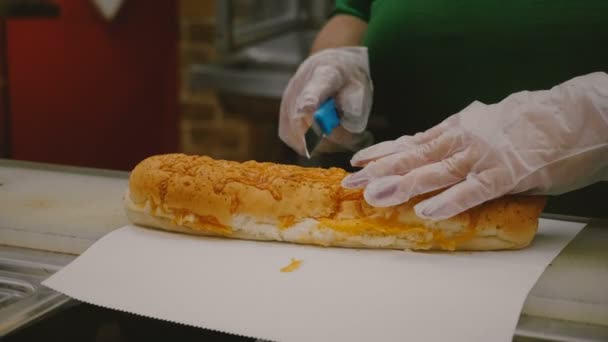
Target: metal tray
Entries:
(22, 298)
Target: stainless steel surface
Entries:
(313, 138)
(244, 22)
(262, 70)
(553, 216)
(532, 328)
(568, 303)
(29, 165)
(22, 298)
(241, 23)
(574, 287)
(59, 209)
(261, 44)
(241, 79)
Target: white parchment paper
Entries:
(336, 295)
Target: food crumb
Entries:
(293, 265)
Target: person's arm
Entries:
(341, 30)
(543, 142)
(338, 67)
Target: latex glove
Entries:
(541, 142)
(342, 73)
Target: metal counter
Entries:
(568, 303)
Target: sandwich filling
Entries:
(369, 232)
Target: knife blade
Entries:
(325, 119)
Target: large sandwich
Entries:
(275, 202)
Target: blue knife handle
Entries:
(327, 116)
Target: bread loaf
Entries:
(275, 202)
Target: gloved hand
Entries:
(540, 142)
(342, 73)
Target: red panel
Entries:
(94, 93)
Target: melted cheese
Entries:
(371, 227)
(377, 227)
(293, 265)
(450, 243)
(205, 223)
(286, 221)
(443, 242)
(423, 236)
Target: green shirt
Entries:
(431, 58)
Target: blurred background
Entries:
(106, 83)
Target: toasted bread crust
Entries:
(200, 195)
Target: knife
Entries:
(325, 119)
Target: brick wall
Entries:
(220, 125)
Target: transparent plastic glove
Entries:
(541, 142)
(342, 73)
